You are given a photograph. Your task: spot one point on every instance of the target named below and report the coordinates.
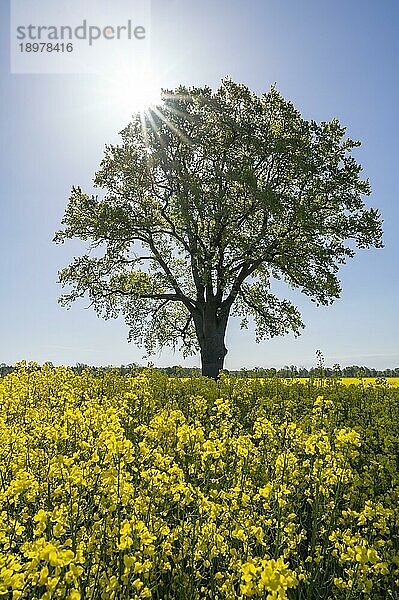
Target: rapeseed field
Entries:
(130, 487)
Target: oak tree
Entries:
(209, 198)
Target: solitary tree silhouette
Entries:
(209, 198)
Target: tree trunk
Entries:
(213, 353)
(211, 334)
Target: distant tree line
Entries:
(335, 371)
(179, 371)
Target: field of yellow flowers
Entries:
(130, 487)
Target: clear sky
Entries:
(331, 58)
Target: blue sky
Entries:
(332, 59)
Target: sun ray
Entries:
(154, 127)
(180, 113)
(144, 129)
(172, 127)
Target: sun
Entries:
(125, 95)
(132, 94)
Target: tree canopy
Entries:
(209, 198)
